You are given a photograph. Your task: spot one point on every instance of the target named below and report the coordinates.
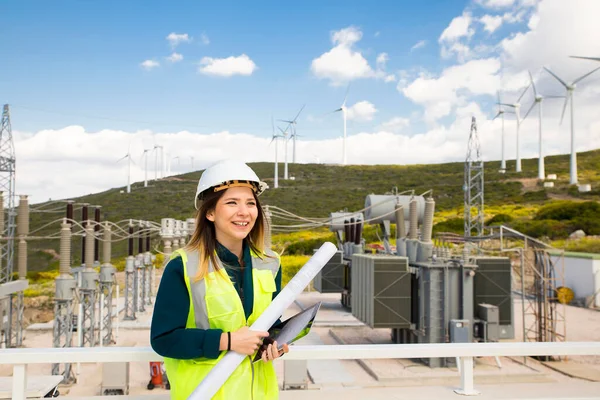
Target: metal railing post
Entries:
(466, 377)
(19, 387)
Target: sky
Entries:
(90, 82)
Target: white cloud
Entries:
(395, 124)
(496, 4)
(382, 59)
(390, 78)
(491, 23)
(226, 67)
(204, 39)
(149, 64)
(418, 45)
(361, 111)
(346, 37)
(440, 95)
(459, 27)
(175, 57)
(342, 63)
(175, 39)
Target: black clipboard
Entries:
(290, 330)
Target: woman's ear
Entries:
(210, 216)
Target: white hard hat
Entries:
(226, 174)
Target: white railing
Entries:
(21, 358)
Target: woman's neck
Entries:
(234, 246)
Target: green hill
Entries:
(320, 189)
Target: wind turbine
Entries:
(293, 124)
(145, 154)
(538, 99)
(501, 115)
(570, 88)
(128, 155)
(344, 111)
(170, 162)
(276, 139)
(285, 146)
(156, 147)
(516, 107)
(587, 58)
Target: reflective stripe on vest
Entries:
(215, 304)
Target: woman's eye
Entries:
(252, 203)
(230, 202)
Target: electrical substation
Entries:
(420, 287)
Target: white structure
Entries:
(294, 134)
(582, 275)
(276, 172)
(538, 99)
(517, 107)
(344, 111)
(501, 115)
(570, 88)
(128, 170)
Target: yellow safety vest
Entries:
(215, 304)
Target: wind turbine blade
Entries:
(557, 78)
(587, 58)
(507, 105)
(532, 84)
(272, 125)
(586, 75)
(528, 111)
(554, 97)
(499, 101)
(497, 115)
(522, 94)
(346, 96)
(282, 131)
(564, 109)
(297, 115)
(285, 120)
(122, 158)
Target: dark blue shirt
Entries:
(168, 335)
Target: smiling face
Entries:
(234, 216)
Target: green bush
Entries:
(454, 225)
(544, 228)
(499, 219)
(568, 210)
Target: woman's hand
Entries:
(244, 341)
(271, 353)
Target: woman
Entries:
(216, 287)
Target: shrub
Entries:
(290, 265)
(499, 219)
(544, 228)
(455, 225)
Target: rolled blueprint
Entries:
(224, 368)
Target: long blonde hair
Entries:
(204, 239)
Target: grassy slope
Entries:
(321, 189)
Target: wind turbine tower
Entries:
(293, 124)
(146, 167)
(285, 146)
(538, 99)
(128, 155)
(570, 88)
(517, 106)
(344, 111)
(276, 172)
(501, 115)
(156, 147)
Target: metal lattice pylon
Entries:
(473, 186)
(7, 188)
(106, 336)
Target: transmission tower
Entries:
(473, 186)
(7, 188)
